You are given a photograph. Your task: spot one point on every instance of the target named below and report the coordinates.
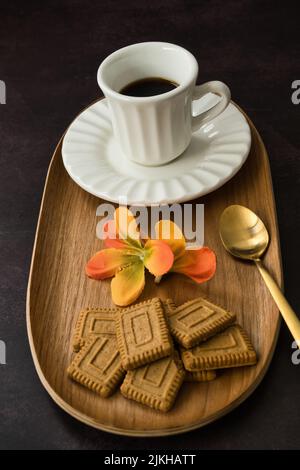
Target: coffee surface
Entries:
(148, 87)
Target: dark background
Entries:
(49, 54)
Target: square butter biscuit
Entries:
(196, 320)
(231, 348)
(98, 365)
(93, 321)
(156, 384)
(142, 334)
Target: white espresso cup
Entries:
(154, 130)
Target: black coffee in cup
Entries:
(148, 87)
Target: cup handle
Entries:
(219, 88)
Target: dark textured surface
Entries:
(48, 59)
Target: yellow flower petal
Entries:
(158, 257)
(170, 233)
(126, 226)
(128, 284)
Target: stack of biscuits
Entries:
(134, 347)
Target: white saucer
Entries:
(93, 159)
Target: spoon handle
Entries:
(289, 316)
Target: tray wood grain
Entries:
(58, 289)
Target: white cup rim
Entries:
(108, 91)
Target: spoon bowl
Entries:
(243, 233)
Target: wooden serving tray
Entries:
(58, 289)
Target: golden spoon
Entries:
(245, 236)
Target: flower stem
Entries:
(157, 279)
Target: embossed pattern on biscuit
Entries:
(231, 348)
(156, 384)
(142, 334)
(93, 321)
(200, 376)
(98, 365)
(196, 320)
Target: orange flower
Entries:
(126, 257)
